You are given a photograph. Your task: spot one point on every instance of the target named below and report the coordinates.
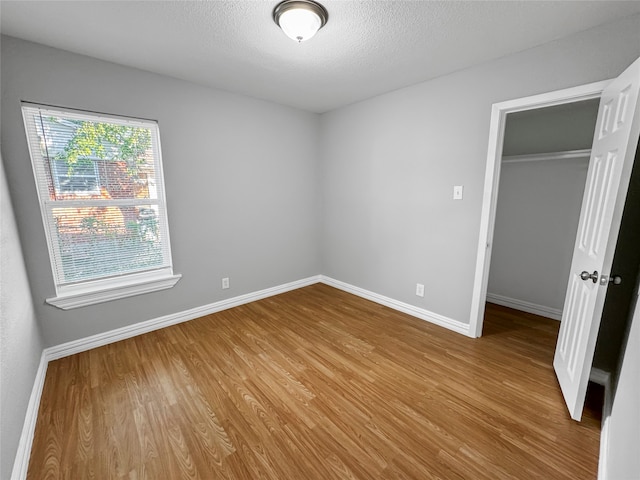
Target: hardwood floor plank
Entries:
(315, 384)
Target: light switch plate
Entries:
(457, 192)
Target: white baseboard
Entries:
(21, 462)
(542, 310)
(101, 339)
(420, 313)
(600, 377)
(603, 378)
(105, 338)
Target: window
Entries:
(82, 178)
(100, 185)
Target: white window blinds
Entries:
(100, 185)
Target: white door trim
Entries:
(499, 113)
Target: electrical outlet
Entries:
(419, 289)
(225, 282)
(457, 192)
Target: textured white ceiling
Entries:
(368, 47)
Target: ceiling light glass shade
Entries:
(300, 19)
(299, 24)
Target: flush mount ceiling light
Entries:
(300, 19)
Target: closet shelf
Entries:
(543, 157)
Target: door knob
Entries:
(615, 279)
(586, 276)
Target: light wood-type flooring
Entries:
(315, 384)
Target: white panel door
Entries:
(614, 147)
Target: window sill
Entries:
(91, 293)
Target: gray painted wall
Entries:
(553, 129)
(20, 339)
(539, 204)
(241, 181)
(389, 165)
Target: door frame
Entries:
(499, 113)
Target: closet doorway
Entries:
(543, 172)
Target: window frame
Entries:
(97, 290)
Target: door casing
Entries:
(499, 113)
